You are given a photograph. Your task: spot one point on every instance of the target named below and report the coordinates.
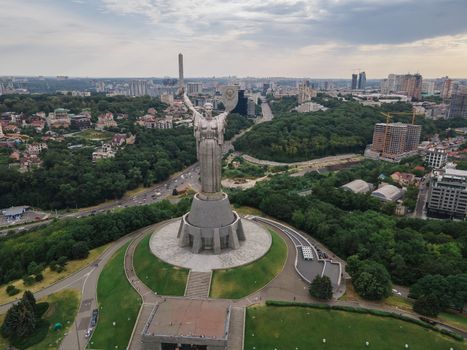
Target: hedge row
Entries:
(361, 310)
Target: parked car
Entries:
(95, 314)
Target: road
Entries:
(155, 193)
(320, 162)
(422, 197)
(266, 111)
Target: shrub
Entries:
(12, 290)
(28, 280)
(39, 277)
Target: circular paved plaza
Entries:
(164, 245)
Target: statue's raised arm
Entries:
(190, 106)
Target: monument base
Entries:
(210, 225)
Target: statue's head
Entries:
(208, 110)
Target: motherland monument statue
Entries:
(211, 224)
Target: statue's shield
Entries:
(230, 97)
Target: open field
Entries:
(118, 306)
(241, 281)
(96, 135)
(161, 277)
(50, 276)
(269, 327)
(63, 307)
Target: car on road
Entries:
(88, 333)
(95, 314)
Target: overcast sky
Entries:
(311, 38)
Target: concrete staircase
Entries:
(198, 284)
(236, 328)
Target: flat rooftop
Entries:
(190, 318)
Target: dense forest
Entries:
(345, 128)
(236, 123)
(356, 224)
(71, 239)
(69, 179)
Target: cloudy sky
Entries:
(310, 38)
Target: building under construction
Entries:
(394, 141)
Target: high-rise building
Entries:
(458, 107)
(436, 157)
(354, 81)
(408, 84)
(194, 88)
(428, 87)
(266, 87)
(448, 193)
(251, 108)
(395, 139)
(412, 85)
(138, 88)
(242, 105)
(362, 81)
(446, 91)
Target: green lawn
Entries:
(118, 302)
(269, 327)
(241, 281)
(163, 278)
(63, 307)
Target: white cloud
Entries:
(237, 37)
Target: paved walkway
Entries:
(198, 284)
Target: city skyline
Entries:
(278, 38)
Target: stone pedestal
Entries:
(211, 225)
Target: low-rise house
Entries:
(36, 148)
(14, 213)
(29, 162)
(59, 119)
(149, 121)
(403, 179)
(118, 139)
(103, 152)
(105, 121)
(81, 121)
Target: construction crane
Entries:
(413, 114)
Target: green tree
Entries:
(321, 288)
(427, 305)
(20, 320)
(80, 250)
(372, 281)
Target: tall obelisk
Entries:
(180, 71)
